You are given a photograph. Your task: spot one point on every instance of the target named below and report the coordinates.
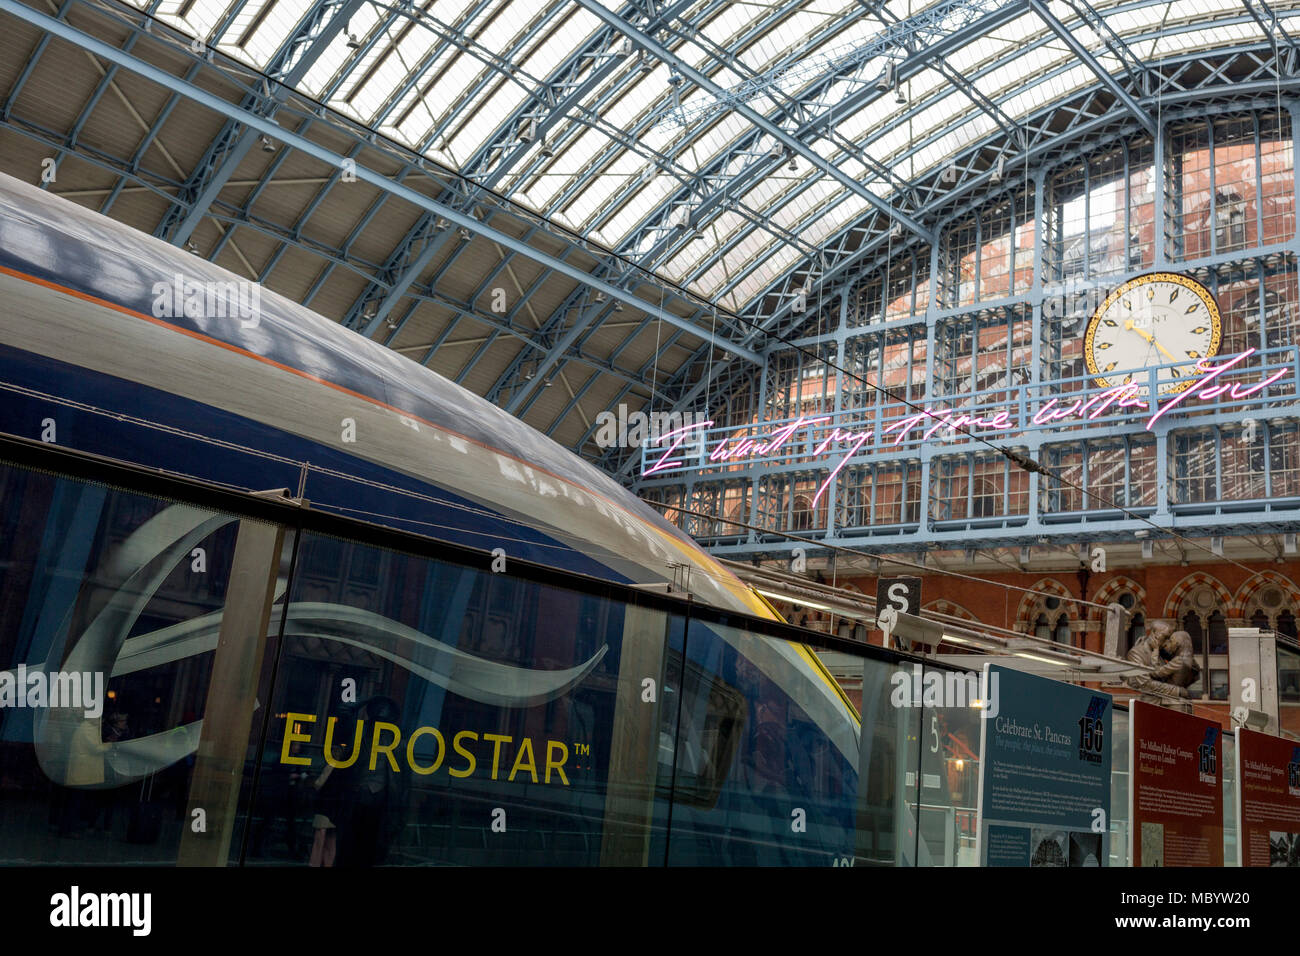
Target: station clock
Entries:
(1158, 319)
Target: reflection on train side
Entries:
(411, 711)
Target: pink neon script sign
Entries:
(1118, 397)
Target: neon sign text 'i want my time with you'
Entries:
(926, 423)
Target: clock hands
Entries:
(1151, 339)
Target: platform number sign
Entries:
(901, 594)
(1092, 731)
(895, 596)
(1207, 755)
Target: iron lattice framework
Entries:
(637, 202)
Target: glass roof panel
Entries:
(418, 78)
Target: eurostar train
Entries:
(420, 710)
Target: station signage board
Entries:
(1044, 788)
(1268, 800)
(1175, 788)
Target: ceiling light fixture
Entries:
(1044, 660)
(791, 599)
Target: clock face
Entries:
(1159, 319)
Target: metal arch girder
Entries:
(575, 93)
(629, 142)
(995, 112)
(1005, 122)
(510, 376)
(689, 177)
(501, 324)
(1047, 143)
(581, 393)
(299, 53)
(232, 144)
(740, 68)
(872, 239)
(563, 343)
(118, 168)
(564, 78)
(913, 32)
(553, 356)
(543, 341)
(1272, 23)
(327, 156)
(1084, 10)
(728, 183)
(414, 76)
(667, 239)
(84, 114)
(754, 117)
(346, 69)
(1082, 122)
(1085, 56)
(143, 147)
(1042, 140)
(566, 86)
(754, 217)
(855, 103)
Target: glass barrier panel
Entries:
(111, 607)
(1119, 784)
(430, 713)
(950, 768)
(1230, 800)
(1288, 688)
(775, 749)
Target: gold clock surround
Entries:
(1132, 285)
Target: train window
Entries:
(485, 722)
(762, 736)
(97, 581)
(707, 740)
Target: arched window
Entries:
(1041, 627)
(1062, 633)
(1218, 628)
(1192, 625)
(1137, 627)
(1271, 603)
(1203, 614)
(1286, 624)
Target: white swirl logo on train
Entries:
(134, 573)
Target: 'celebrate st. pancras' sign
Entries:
(1227, 382)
